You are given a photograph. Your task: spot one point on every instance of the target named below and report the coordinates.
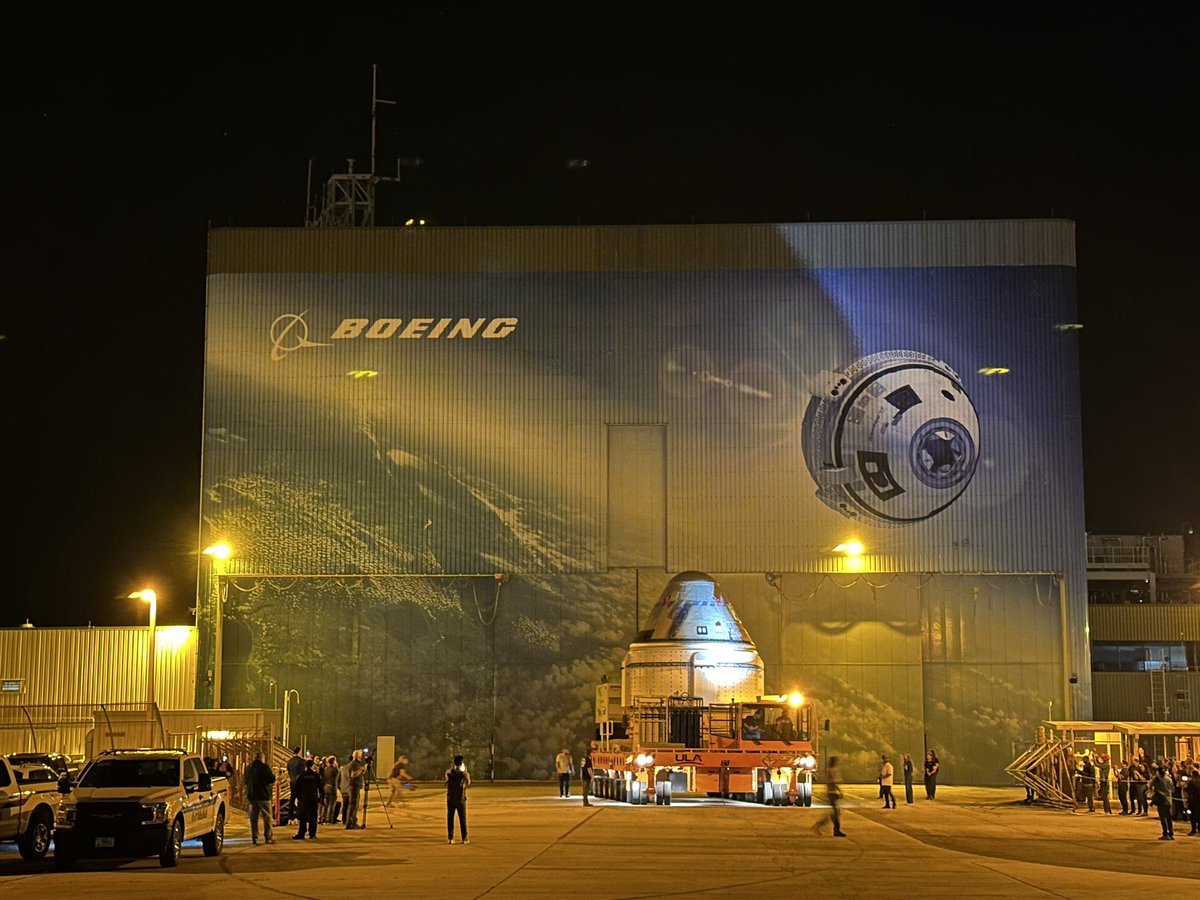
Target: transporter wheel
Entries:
(34, 843)
(215, 840)
(169, 857)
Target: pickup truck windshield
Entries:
(104, 773)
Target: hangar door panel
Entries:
(637, 492)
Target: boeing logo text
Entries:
(450, 329)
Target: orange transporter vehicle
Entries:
(690, 714)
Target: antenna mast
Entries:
(348, 200)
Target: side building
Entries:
(57, 684)
(457, 468)
(1144, 622)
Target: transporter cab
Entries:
(690, 713)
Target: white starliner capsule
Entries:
(693, 645)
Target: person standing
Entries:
(585, 776)
(344, 790)
(1123, 786)
(356, 778)
(565, 769)
(1103, 776)
(1162, 787)
(457, 782)
(258, 779)
(1140, 781)
(329, 779)
(887, 777)
(833, 793)
(308, 794)
(931, 773)
(295, 766)
(1192, 792)
(908, 777)
(1087, 780)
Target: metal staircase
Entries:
(1048, 770)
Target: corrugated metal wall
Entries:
(626, 248)
(99, 665)
(1125, 696)
(330, 452)
(1150, 622)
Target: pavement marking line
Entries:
(544, 850)
(222, 864)
(993, 868)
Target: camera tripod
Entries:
(369, 782)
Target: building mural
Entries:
(457, 465)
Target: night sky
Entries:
(131, 133)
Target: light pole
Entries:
(287, 713)
(218, 553)
(150, 597)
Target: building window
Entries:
(1145, 657)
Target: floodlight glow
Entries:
(174, 637)
(147, 595)
(219, 551)
(850, 548)
(795, 699)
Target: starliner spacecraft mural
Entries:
(454, 464)
(893, 438)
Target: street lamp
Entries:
(148, 596)
(287, 713)
(218, 553)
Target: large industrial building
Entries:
(457, 467)
(1144, 620)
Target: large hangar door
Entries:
(991, 650)
(637, 495)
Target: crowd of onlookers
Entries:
(1171, 786)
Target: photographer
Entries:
(457, 782)
(356, 778)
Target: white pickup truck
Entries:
(130, 803)
(28, 801)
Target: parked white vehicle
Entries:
(29, 800)
(130, 803)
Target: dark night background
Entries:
(131, 132)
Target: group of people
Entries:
(321, 791)
(1171, 786)
(565, 769)
(325, 791)
(887, 778)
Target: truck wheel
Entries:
(34, 843)
(215, 839)
(169, 858)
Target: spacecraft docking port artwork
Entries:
(693, 645)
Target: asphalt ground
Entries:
(526, 842)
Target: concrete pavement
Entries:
(526, 842)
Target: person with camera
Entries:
(457, 782)
(356, 778)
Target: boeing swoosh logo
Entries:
(289, 332)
